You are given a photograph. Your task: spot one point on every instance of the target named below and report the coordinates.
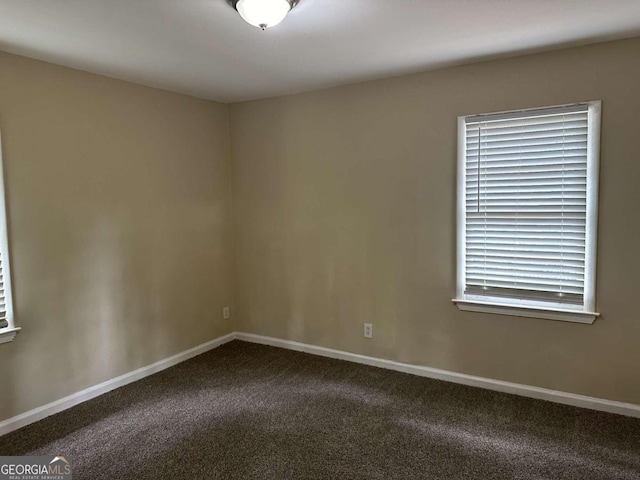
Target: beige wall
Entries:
(119, 203)
(344, 212)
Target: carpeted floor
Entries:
(245, 411)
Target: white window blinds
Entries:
(526, 203)
(7, 327)
(3, 297)
(6, 310)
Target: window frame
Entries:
(8, 333)
(585, 313)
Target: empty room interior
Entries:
(319, 239)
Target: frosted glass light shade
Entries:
(263, 13)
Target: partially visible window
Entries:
(527, 212)
(8, 329)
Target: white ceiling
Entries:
(204, 48)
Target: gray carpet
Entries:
(246, 411)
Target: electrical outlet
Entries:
(225, 313)
(368, 330)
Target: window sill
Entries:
(565, 315)
(8, 334)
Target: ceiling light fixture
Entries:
(263, 13)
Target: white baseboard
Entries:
(39, 413)
(593, 403)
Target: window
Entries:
(527, 212)
(7, 328)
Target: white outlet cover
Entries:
(368, 330)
